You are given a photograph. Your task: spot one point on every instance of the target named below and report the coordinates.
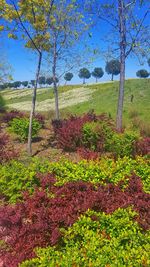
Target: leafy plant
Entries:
(2, 104)
(20, 126)
(7, 151)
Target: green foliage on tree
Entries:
(98, 73)
(84, 73)
(25, 83)
(113, 67)
(17, 84)
(49, 80)
(68, 76)
(42, 80)
(142, 73)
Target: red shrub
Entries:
(40, 118)
(88, 154)
(8, 116)
(7, 151)
(142, 147)
(69, 132)
(36, 221)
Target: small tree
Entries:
(68, 77)
(98, 73)
(113, 68)
(42, 80)
(49, 80)
(25, 83)
(84, 74)
(148, 61)
(142, 73)
(33, 83)
(17, 84)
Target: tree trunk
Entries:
(55, 81)
(29, 147)
(112, 77)
(122, 21)
(83, 80)
(96, 80)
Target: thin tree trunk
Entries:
(112, 77)
(29, 147)
(55, 82)
(96, 80)
(122, 20)
(83, 80)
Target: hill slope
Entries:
(78, 99)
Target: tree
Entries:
(66, 32)
(25, 83)
(113, 68)
(17, 84)
(148, 61)
(142, 73)
(33, 83)
(98, 73)
(68, 77)
(128, 33)
(30, 20)
(42, 80)
(84, 74)
(49, 80)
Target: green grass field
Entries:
(101, 97)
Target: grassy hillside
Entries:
(78, 99)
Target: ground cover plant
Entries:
(37, 220)
(7, 150)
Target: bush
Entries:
(95, 135)
(97, 239)
(143, 146)
(2, 104)
(9, 116)
(7, 151)
(69, 133)
(122, 144)
(20, 126)
(37, 221)
(16, 177)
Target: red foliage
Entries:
(8, 116)
(69, 132)
(40, 118)
(142, 147)
(36, 221)
(7, 151)
(88, 154)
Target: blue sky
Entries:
(23, 61)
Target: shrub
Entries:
(20, 126)
(87, 154)
(38, 220)
(122, 144)
(16, 177)
(2, 104)
(95, 135)
(143, 146)
(9, 116)
(40, 118)
(69, 132)
(97, 239)
(7, 151)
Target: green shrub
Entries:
(97, 239)
(2, 104)
(20, 126)
(16, 177)
(95, 134)
(122, 144)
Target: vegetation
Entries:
(113, 68)
(84, 74)
(98, 73)
(142, 73)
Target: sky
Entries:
(23, 61)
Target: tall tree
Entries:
(30, 20)
(98, 73)
(84, 74)
(67, 30)
(68, 77)
(113, 68)
(128, 33)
